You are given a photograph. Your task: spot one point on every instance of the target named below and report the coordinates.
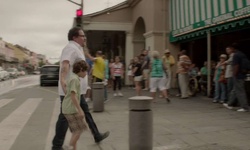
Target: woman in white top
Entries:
(130, 73)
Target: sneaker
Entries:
(102, 137)
(227, 106)
(115, 94)
(242, 110)
(178, 95)
(88, 99)
(215, 101)
(146, 89)
(120, 94)
(67, 147)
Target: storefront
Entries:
(205, 27)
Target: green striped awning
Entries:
(191, 18)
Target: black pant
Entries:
(62, 125)
(117, 81)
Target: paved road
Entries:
(28, 115)
(20, 82)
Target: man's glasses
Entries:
(81, 35)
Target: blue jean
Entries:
(62, 125)
(105, 92)
(230, 85)
(220, 91)
(238, 93)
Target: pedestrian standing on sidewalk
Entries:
(71, 104)
(98, 68)
(137, 75)
(130, 73)
(220, 80)
(229, 71)
(240, 61)
(106, 61)
(158, 76)
(183, 68)
(145, 69)
(117, 73)
(110, 80)
(169, 61)
(72, 52)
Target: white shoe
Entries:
(215, 101)
(88, 99)
(145, 89)
(115, 94)
(66, 147)
(120, 94)
(242, 110)
(228, 107)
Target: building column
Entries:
(129, 53)
(154, 41)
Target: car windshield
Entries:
(50, 70)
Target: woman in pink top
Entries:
(117, 71)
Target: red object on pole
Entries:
(78, 12)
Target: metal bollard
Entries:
(140, 123)
(98, 96)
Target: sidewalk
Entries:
(185, 124)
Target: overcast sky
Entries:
(42, 25)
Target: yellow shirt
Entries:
(99, 68)
(169, 61)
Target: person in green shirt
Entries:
(71, 104)
(158, 78)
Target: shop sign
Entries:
(205, 23)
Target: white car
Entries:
(4, 75)
(13, 72)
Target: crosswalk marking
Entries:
(14, 123)
(52, 125)
(4, 102)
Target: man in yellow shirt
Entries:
(98, 68)
(169, 62)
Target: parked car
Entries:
(4, 75)
(13, 72)
(49, 74)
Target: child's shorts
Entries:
(76, 123)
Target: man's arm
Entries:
(63, 74)
(87, 54)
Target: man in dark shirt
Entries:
(145, 69)
(238, 92)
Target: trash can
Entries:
(247, 87)
(140, 123)
(98, 96)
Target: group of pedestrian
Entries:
(232, 77)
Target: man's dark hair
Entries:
(183, 52)
(73, 32)
(234, 46)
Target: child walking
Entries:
(117, 71)
(71, 104)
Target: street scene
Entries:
(28, 117)
(125, 75)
